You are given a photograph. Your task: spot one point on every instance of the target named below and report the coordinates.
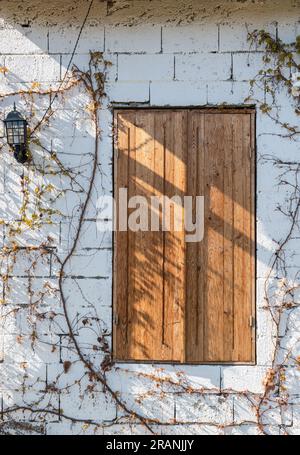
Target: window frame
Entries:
(230, 109)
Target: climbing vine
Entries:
(35, 213)
(279, 64)
(37, 210)
(281, 287)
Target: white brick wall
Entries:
(207, 409)
(229, 92)
(233, 37)
(126, 92)
(141, 39)
(203, 67)
(287, 31)
(198, 38)
(42, 68)
(145, 67)
(242, 378)
(61, 41)
(162, 53)
(178, 93)
(23, 41)
(247, 66)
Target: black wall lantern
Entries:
(16, 133)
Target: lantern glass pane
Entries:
(9, 132)
(16, 132)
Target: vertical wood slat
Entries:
(130, 238)
(253, 231)
(175, 177)
(207, 319)
(214, 316)
(142, 297)
(228, 254)
(195, 257)
(160, 126)
(167, 315)
(192, 345)
(243, 240)
(124, 127)
(202, 189)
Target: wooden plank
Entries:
(249, 247)
(192, 317)
(143, 271)
(214, 317)
(195, 252)
(167, 304)
(243, 259)
(253, 231)
(174, 244)
(228, 278)
(202, 190)
(124, 131)
(161, 119)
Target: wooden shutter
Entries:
(220, 303)
(176, 301)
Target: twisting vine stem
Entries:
(279, 66)
(269, 80)
(96, 93)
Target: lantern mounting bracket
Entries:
(20, 153)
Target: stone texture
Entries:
(145, 67)
(43, 68)
(190, 38)
(203, 66)
(144, 38)
(178, 93)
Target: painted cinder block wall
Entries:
(162, 53)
